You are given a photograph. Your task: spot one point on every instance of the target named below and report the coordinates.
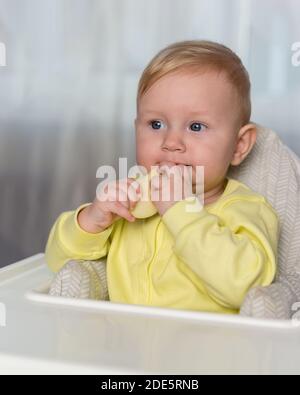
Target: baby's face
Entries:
(191, 120)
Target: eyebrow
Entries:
(201, 113)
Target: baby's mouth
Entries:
(171, 164)
(167, 163)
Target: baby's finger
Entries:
(119, 209)
(131, 192)
(122, 196)
(124, 199)
(134, 193)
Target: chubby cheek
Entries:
(215, 162)
(146, 151)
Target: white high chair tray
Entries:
(49, 335)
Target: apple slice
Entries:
(144, 207)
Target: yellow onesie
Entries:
(205, 261)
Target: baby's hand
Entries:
(115, 201)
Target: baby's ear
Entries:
(246, 139)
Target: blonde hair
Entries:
(200, 55)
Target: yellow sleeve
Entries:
(68, 241)
(230, 252)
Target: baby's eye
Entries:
(197, 127)
(156, 124)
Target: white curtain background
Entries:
(67, 93)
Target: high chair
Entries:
(271, 169)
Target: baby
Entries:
(193, 109)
